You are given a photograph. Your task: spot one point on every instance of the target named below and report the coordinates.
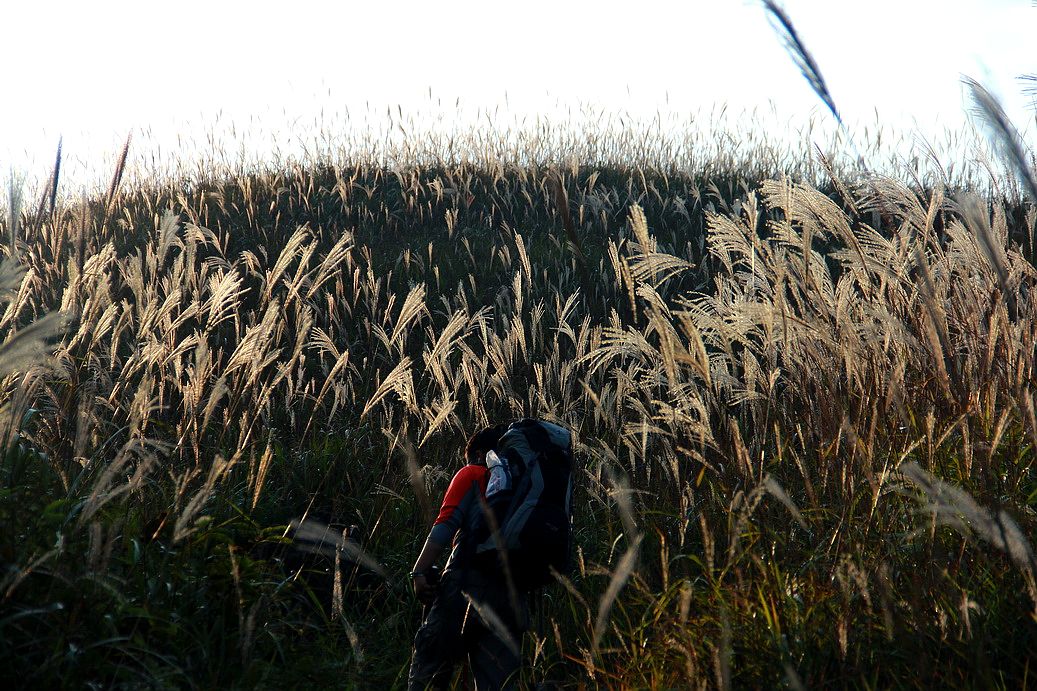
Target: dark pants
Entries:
(455, 631)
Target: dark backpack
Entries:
(526, 524)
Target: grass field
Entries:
(803, 398)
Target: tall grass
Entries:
(805, 421)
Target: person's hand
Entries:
(422, 589)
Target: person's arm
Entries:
(429, 555)
(459, 494)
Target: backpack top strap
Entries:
(539, 440)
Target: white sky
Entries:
(94, 71)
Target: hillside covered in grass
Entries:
(804, 411)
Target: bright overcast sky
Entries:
(93, 71)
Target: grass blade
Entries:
(801, 56)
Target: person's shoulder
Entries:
(470, 473)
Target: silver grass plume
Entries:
(493, 621)
(51, 193)
(801, 56)
(313, 536)
(954, 507)
(113, 187)
(14, 209)
(1030, 88)
(626, 566)
(974, 211)
(1003, 134)
(54, 178)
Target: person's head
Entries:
(481, 442)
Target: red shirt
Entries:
(460, 505)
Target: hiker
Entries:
(477, 611)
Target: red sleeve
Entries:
(466, 478)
